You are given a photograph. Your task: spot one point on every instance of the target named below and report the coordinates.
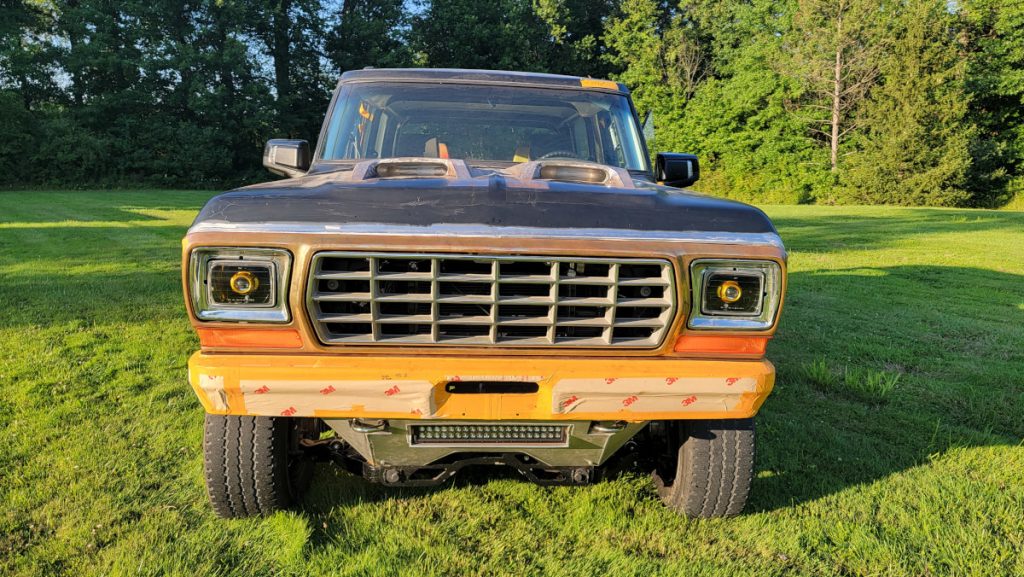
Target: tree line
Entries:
(914, 102)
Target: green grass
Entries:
(891, 446)
(860, 383)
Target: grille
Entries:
(488, 434)
(477, 300)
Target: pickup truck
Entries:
(480, 268)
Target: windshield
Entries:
(481, 123)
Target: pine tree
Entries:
(995, 80)
(915, 146)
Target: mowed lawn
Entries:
(892, 444)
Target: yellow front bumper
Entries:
(410, 387)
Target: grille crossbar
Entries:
(454, 299)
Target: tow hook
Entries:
(368, 426)
(581, 476)
(391, 476)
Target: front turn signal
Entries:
(721, 345)
(250, 338)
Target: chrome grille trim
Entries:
(463, 299)
(491, 231)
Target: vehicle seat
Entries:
(522, 153)
(434, 148)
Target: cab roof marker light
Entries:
(598, 83)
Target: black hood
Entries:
(494, 200)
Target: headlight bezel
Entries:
(206, 308)
(769, 299)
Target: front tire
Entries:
(254, 465)
(708, 467)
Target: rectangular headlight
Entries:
(735, 294)
(240, 284)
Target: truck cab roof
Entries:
(469, 76)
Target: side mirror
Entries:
(676, 169)
(286, 157)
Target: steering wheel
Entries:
(560, 154)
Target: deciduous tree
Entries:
(834, 51)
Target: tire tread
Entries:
(714, 468)
(246, 465)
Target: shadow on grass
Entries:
(826, 233)
(334, 487)
(90, 274)
(920, 322)
(952, 334)
(46, 300)
(40, 207)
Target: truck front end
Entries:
(409, 315)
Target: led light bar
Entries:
(470, 434)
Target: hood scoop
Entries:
(409, 167)
(557, 170)
(574, 171)
(588, 174)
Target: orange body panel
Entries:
(723, 345)
(251, 338)
(414, 387)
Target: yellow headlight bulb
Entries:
(243, 282)
(730, 291)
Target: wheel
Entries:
(708, 467)
(253, 465)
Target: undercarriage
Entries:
(414, 453)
